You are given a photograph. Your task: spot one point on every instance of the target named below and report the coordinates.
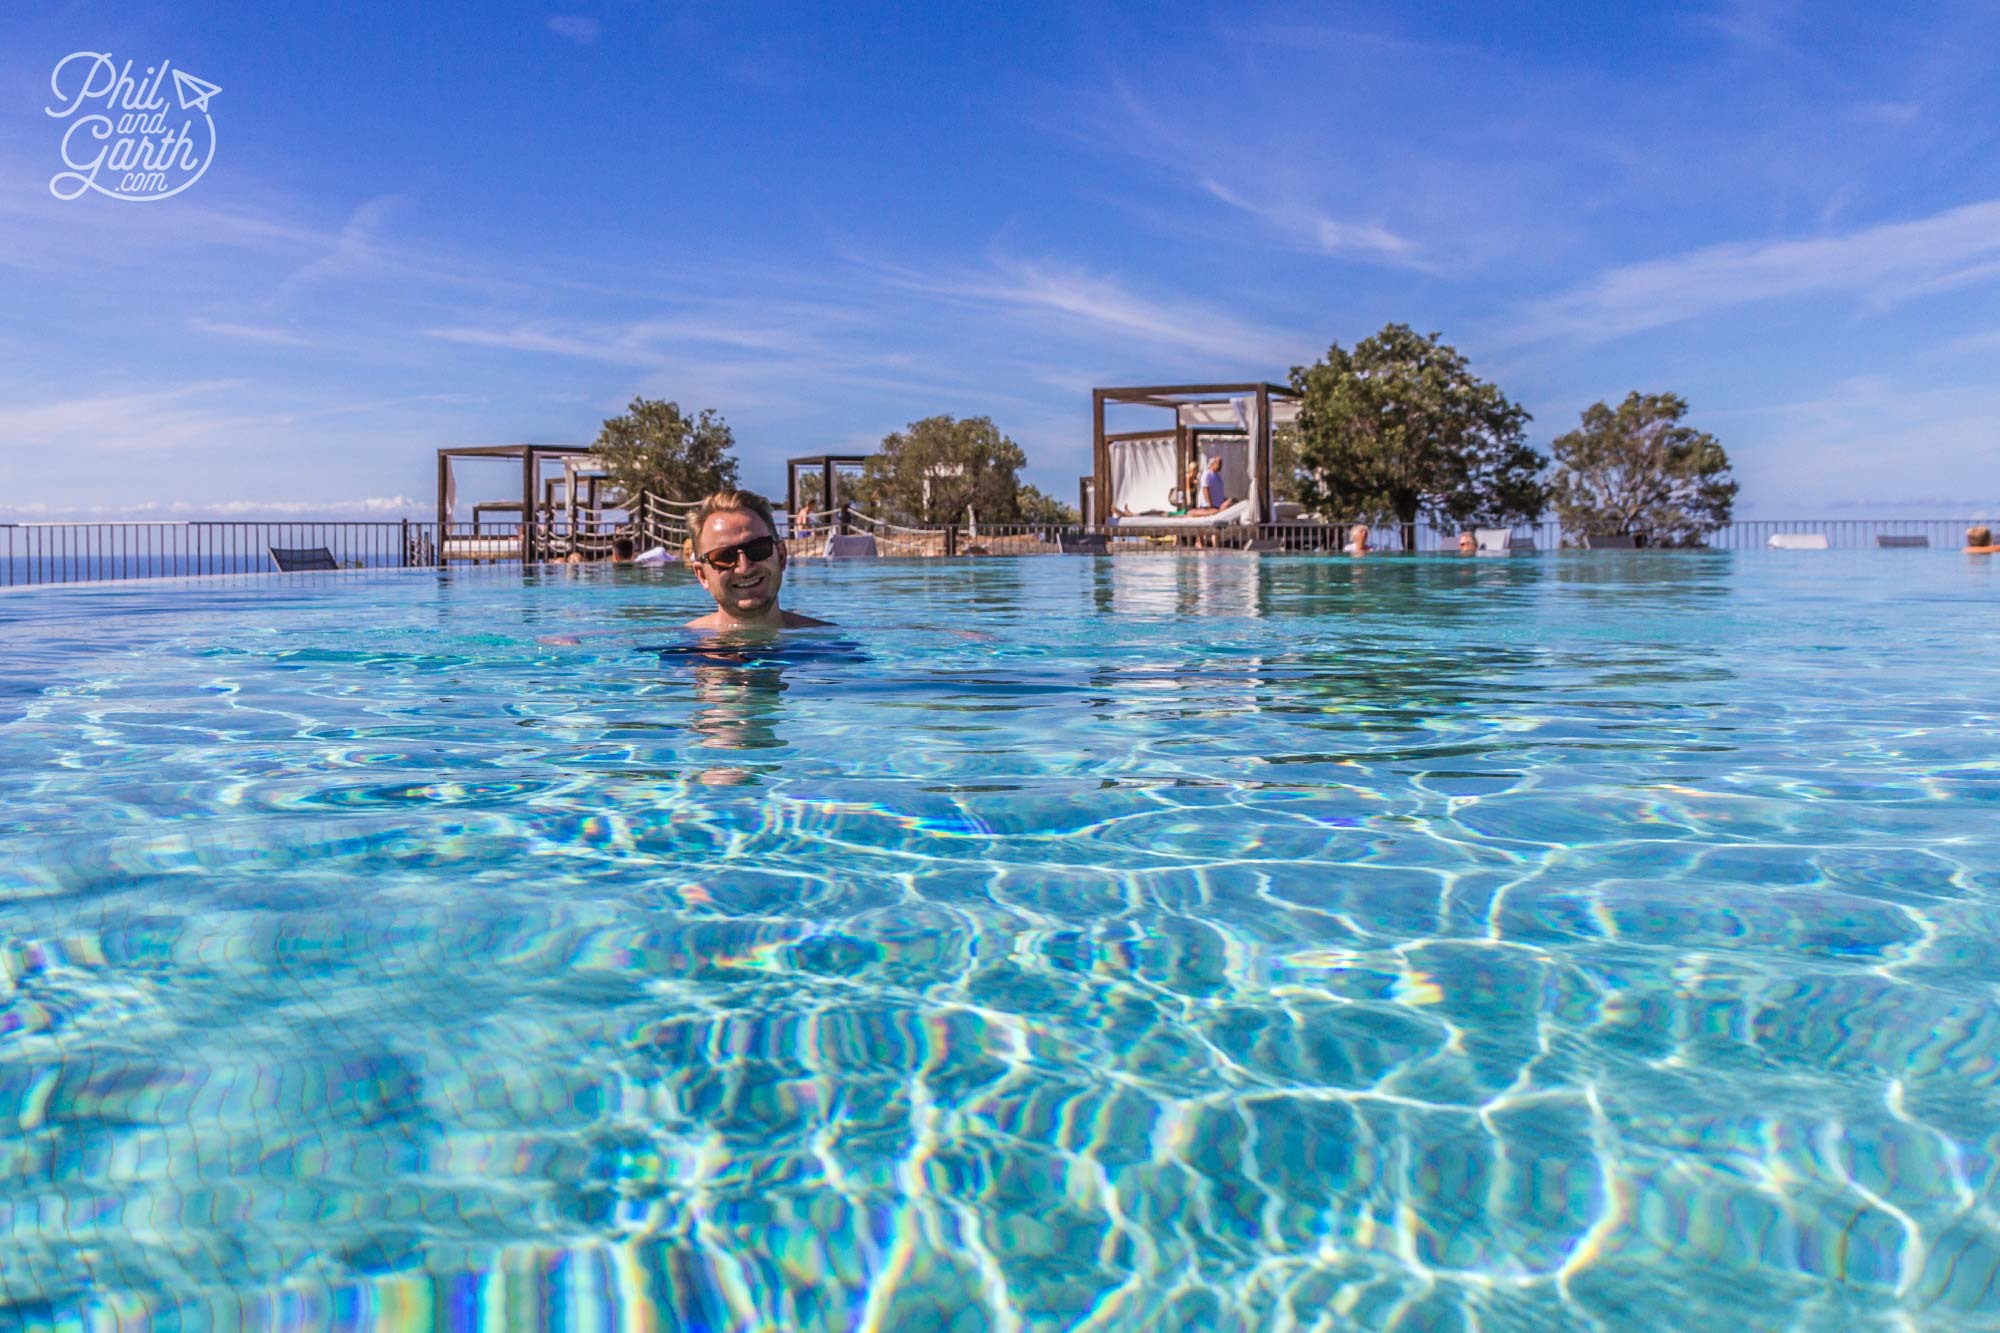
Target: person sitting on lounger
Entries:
(1979, 541)
(740, 561)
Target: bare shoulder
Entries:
(793, 620)
(713, 620)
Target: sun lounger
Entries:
(1501, 541)
(1798, 541)
(1898, 541)
(482, 548)
(851, 546)
(1080, 543)
(301, 559)
(1609, 541)
(1221, 518)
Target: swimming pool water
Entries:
(1168, 942)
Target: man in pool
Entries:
(740, 561)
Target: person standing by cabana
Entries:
(1214, 493)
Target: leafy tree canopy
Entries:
(930, 471)
(1039, 508)
(1288, 471)
(1637, 469)
(653, 447)
(1401, 427)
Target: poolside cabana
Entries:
(817, 478)
(577, 469)
(1139, 471)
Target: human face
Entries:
(747, 590)
(1467, 543)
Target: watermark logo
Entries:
(126, 138)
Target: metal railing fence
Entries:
(87, 552)
(1843, 533)
(102, 551)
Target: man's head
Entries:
(1979, 535)
(1468, 544)
(733, 542)
(621, 550)
(1215, 463)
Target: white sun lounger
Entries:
(1221, 518)
(1798, 541)
(1501, 541)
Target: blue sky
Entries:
(435, 224)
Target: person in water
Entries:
(739, 560)
(1979, 541)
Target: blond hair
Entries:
(725, 502)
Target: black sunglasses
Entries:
(757, 548)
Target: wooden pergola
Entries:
(531, 457)
(1186, 433)
(827, 494)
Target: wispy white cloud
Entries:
(1882, 264)
(245, 332)
(1892, 114)
(770, 325)
(1983, 343)
(1234, 160)
(368, 506)
(614, 347)
(576, 27)
(1758, 26)
(1318, 231)
(355, 252)
(148, 419)
(1887, 443)
(1084, 303)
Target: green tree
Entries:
(930, 471)
(1037, 507)
(1288, 471)
(1401, 427)
(653, 447)
(1637, 469)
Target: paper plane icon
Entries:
(194, 93)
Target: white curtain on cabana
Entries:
(1228, 412)
(1142, 474)
(1252, 424)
